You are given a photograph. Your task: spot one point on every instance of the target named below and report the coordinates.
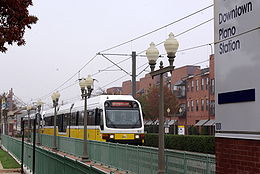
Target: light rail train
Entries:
(111, 118)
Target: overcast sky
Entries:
(69, 33)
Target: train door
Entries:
(98, 117)
(62, 124)
(91, 125)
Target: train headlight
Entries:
(112, 136)
(137, 136)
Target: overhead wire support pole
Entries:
(133, 55)
(134, 74)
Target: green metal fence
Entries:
(46, 162)
(137, 159)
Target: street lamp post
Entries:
(171, 45)
(86, 86)
(29, 108)
(39, 107)
(55, 99)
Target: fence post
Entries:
(34, 143)
(22, 145)
(207, 165)
(185, 162)
(127, 157)
(166, 162)
(151, 163)
(138, 156)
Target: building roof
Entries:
(210, 123)
(201, 123)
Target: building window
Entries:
(188, 86)
(188, 106)
(192, 105)
(212, 86)
(202, 105)
(207, 83)
(202, 84)
(197, 105)
(179, 91)
(207, 104)
(197, 85)
(192, 85)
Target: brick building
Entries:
(194, 89)
(142, 86)
(114, 91)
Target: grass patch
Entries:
(7, 161)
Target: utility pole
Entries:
(134, 74)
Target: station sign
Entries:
(237, 68)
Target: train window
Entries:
(80, 118)
(97, 116)
(73, 119)
(67, 118)
(77, 118)
(91, 117)
(49, 121)
(101, 119)
(59, 122)
(62, 122)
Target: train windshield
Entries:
(123, 118)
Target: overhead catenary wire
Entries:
(160, 28)
(20, 100)
(77, 73)
(114, 81)
(187, 49)
(196, 26)
(115, 64)
(78, 96)
(163, 42)
(110, 66)
(144, 70)
(46, 95)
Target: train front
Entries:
(122, 122)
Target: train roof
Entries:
(92, 102)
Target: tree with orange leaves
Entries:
(150, 103)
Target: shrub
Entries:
(192, 143)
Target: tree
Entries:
(14, 19)
(150, 102)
